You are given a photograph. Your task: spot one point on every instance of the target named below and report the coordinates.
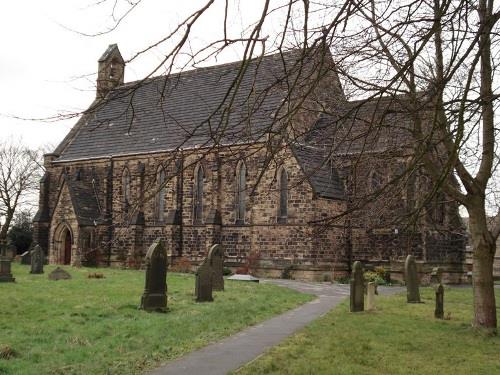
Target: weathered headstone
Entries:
(439, 311)
(411, 278)
(25, 257)
(357, 288)
(203, 287)
(436, 275)
(216, 260)
(37, 260)
(154, 297)
(370, 296)
(5, 263)
(59, 274)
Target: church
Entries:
(265, 156)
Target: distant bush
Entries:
(182, 265)
(383, 273)
(372, 276)
(227, 271)
(243, 270)
(286, 273)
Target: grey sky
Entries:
(47, 69)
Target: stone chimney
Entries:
(111, 70)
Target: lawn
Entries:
(93, 326)
(398, 338)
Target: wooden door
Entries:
(67, 248)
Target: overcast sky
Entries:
(46, 68)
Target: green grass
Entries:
(93, 326)
(398, 338)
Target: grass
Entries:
(93, 326)
(398, 338)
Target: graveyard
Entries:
(94, 325)
(396, 338)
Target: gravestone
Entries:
(59, 274)
(411, 278)
(370, 296)
(203, 286)
(154, 297)
(439, 311)
(37, 260)
(436, 275)
(216, 259)
(244, 278)
(25, 257)
(5, 265)
(357, 288)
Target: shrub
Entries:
(343, 280)
(182, 265)
(382, 273)
(243, 270)
(253, 262)
(287, 272)
(372, 276)
(227, 271)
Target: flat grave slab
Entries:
(243, 278)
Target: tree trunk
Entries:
(5, 226)
(485, 315)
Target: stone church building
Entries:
(234, 154)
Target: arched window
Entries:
(198, 195)
(126, 189)
(283, 204)
(376, 182)
(160, 195)
(241, 182)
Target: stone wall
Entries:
(301, 245)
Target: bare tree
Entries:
(435, 60)
(20, 171)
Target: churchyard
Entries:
(396, 338)
(93, 325)
(78, 320)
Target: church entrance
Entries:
(67, 247)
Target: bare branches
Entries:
(20, 171)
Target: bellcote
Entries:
(111, 71)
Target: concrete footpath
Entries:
(234, 351)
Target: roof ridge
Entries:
(204, 68)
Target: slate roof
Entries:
(84, 200)
(182, 110)
(323, 177)
(376, 125)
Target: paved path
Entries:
(234, 351)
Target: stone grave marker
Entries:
(370, 296)
(37, 260)
(25, 257)
(249, 278)
(154, 297)
(411, 278)
(216, 259)
(439, 311)
(436, 275)
(59, 274)
(5, 265)
(204, 278)
(357, 288)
